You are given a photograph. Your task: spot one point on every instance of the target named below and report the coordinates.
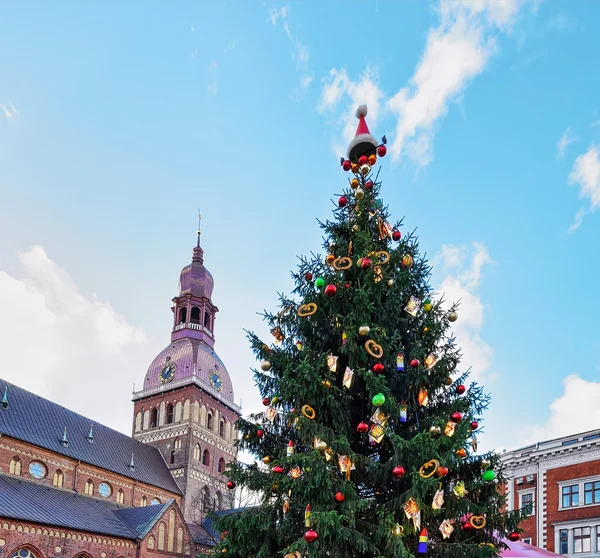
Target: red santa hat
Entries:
(363, 143)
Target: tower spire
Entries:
(198, 254)
(199, 227)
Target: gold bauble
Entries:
(354, 168)
(397, 529)
(427, 307)
(326, 383)
(435, 430)
(407, 261)
(452, 317)
(265, 365)
(365, 169)
(390, 283)
(364, 330)
(330, 258)
(360, 193)
(372, 159)
(266, 460)
(321, 445)
(448, 381)
(354, 183)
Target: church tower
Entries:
(186, 408)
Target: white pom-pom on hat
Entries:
(363, 143)
(361, 111)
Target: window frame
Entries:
(594, 491)
(573, 491)
(582, 537)
(527, 492)
(580, 482)
(564, 540)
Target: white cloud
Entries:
(586, 174)
(9, 112)
(463, 269)
(564, 142)
(71, 348)
(213, 88)
(230, 46)
(212, 67)
(306, 80)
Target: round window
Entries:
(37, 470)
(154, 502)
(104, 489)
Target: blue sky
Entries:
(119, 120)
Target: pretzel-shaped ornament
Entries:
(431, 466)
(477, 521)
(309, 412)
(375, 350)
(382, 257)
(307, 309)
(342, 263)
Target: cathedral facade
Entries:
(71, 487)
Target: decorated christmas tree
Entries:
(367, 444)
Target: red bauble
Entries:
(378, 368)
(382, 150)
(514, 536)
(369, 185)
(308, 276)
(363, 160)
(340, 497)
(347, 285)
(230, 485)
(278, 469)
(415, 363)
(362, 427)
(224, 535)
(330, 290)
(466, 526)
(460, 389)
(366, 263)
(456, 417)
(442, 471)
(311, 536)
(346, 165)
(266, 401)
(396, 235)
(342, 202)
(259, 433)
(398, 472)
(474, 425)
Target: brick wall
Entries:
(529, 524)
(75, 475)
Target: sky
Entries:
(118, 120)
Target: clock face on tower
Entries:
(215, 380)
(168, 372)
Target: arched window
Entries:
(120, 496)
(178, 409)
(23, 553)
(58, 478)
(150, 542)
(206, 320)
(180, 541)
(154, 502)
(206, 499)
(154, 418)
(206, 458)
(195, 315)
(170, 413)
(221, 428)
(161, 536)
(138, 421)
(172, 458)
(89, 487)
(182, 315)
(197, 452)
(177, 444)
(209, 421)
(144, 502)
(219, 501)
(221, 466)
(171, 533)
(146, 423)
(15, 466)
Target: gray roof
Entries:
(40, 422)
(141, 520)
(38, 503)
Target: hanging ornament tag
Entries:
(278, 334)
(348, 376)
(380, 418)
(332, 362)
(417, 524)
(377, 433)
(377, 274)
(438, 500)
(411, 508)
(459, 489)
(423, 397)
(412, 306)
(403, 411)
(384, 227)
(271, 413)
(446, 528)
(328, 454)
(474, 443)
(399, 362)
(430, 361)
(346, 465)
(449, 429)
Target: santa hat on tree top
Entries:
(363, 143)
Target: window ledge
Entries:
(578, 508)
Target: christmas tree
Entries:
(367, 444)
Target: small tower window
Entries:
(206, 458)
(221, 428)
(177, 444)
(209, 420)
(169, 413)
(154, 418)
(197, 452)
(195, 315)
(219, 500)
(15, 466)
(172, 458)
(89, 487)
(221, 466)
(182, 315)
(207, 320)
(206, 498)
(120, 496)
(58, 478)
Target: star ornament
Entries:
(446, 528)
(411, 508)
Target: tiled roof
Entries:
(40, 422)
(38, 503)
(208, 529)
(141, 520)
